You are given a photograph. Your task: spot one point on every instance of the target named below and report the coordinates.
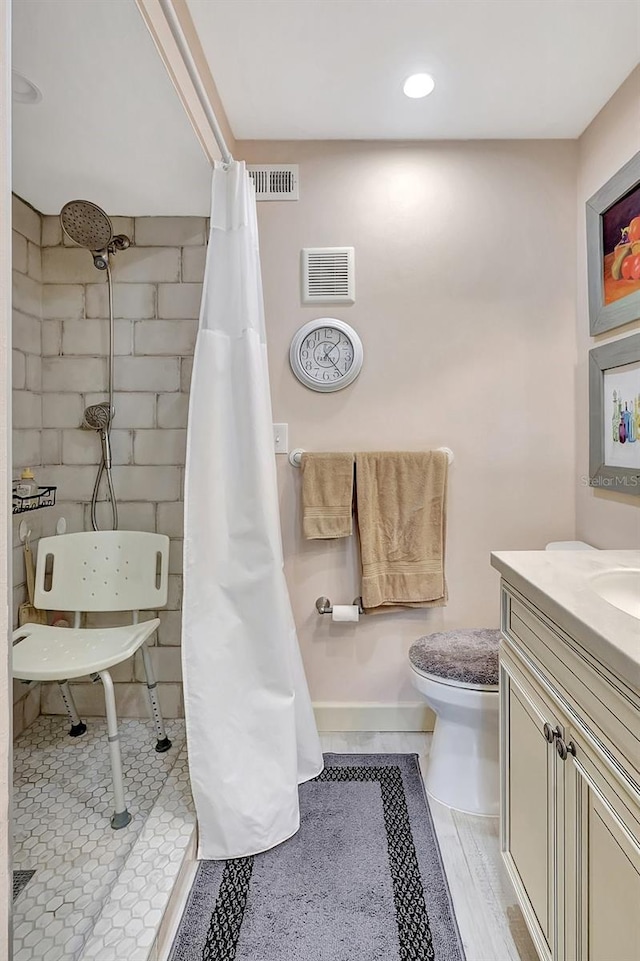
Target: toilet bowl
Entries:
(457, 674)
(463, 762)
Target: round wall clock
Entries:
(326, 354)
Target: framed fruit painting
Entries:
(613, 250)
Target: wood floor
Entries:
(489, 918)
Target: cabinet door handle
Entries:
(550, 734)
(564, 750)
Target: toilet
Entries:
(457, 674)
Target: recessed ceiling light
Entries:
(419, 85)
(23, 90)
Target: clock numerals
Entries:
(327, 355)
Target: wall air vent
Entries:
(274, 181)
(328, 275)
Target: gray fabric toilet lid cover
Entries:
(467, 656)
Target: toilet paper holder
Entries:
(324, 605)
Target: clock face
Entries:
(326, 354)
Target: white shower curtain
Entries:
(250, 727)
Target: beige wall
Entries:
(465, 287)
(605, 519)
(465, 282)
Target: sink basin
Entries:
(621, 588)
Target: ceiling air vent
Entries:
(328, 275)
(274, 181)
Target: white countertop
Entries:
(557, 582)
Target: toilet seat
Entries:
(449, 682)
(466, 656)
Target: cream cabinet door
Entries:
(532, 797)
(602, 837)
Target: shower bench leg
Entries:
(121, 816)
(163, 743)
(78, 727)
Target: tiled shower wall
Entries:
(157, 290)
(27, 410)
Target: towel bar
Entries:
(324, 605)
(295, 457)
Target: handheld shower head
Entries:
(97, 417)
(89, 226)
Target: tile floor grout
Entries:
(62, 807)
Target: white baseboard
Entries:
(371, 716)
(330, 715)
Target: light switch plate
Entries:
(281, 438)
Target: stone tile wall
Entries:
(157, 290)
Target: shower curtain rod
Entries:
(190, 65)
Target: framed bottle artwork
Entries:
(614, 416)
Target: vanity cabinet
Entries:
(530, 808)
(570, 790)
(602, 874)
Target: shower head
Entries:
(86, 224)
(97, 417)
(89, 226)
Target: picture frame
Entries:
(614, 416)
(613, 250)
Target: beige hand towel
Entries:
(401, 508)
(327, 495)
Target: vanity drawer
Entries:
(584, 689)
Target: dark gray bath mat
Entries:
(20, 881)
(362, 880)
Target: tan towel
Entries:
(401, 507)
(327, 495)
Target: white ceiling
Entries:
(333, 69)
(110, 127)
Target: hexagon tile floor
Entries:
(88, 876)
